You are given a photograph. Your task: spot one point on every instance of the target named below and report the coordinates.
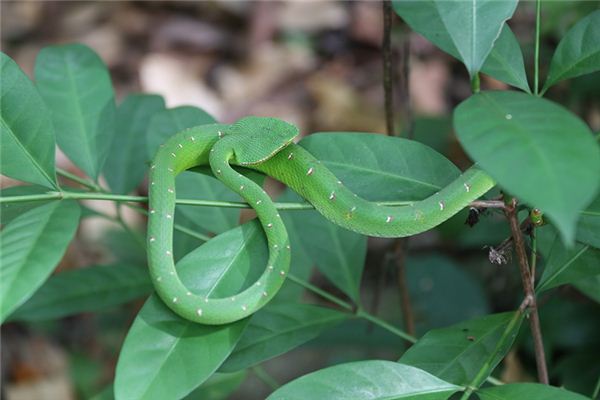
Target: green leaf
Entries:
(382, 168)
(338, 253)
(191, 185)
(125, 166)
(278, 328)
(31, 247)
(76, 87)
(166, 123)
(366, 380)
(588, 227)
(435, 279)
(568, 265)
(165, 356)
(465, 29)
(527, 391)
(553, 151)
(85, 290)
(578, 52)
(457, 353)
(218, 386)
(590, 287)
(27, 139)
(10, 211)
(505, 61)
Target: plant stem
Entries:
(360, 313)
(400, 246)
(387, 67)
(533, 261)
(82, 181)
(485, 368)
(321, 292)
(536, 66)
(177, 227)
(534, 321)
(475, 83)
(286, 206)
(264, 376)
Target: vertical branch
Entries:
(387, 67)
(534, 321)
(407, 112)
(536, 79)
(399, 244)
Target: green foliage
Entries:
(27, 138)
(76, 87)
(31, 247)
(536, 150)
(367, 380)
(578, 52)
(508, 131)
(466, 30)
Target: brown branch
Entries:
(534, 320)
(387, 67)
(405, 303)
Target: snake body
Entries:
(265, 144)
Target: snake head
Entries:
(257, 139)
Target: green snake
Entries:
(265, 145)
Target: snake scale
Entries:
(265, 145)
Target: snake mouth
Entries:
(268, 156)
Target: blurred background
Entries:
(316, 64)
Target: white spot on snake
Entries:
(173, 154)
(158, 279)
(168, 253)
(290, 156)
(353, 209)
(174, 299)
(277, 215)
(152, 166)
(275, 246)
(258, 283)
(339, 182)
(467, 187)
(219, 171)
(270, 267)
(232, 298)
(288, 247)
(206, 299)
(189, 293)
(152, 211)
(212, 150)
(172, 273)
(152, 238)
(170, 169)
(193, 139)
(332, 196)
(265, 294)
(244, 307)
(282, 273)
(258, 202)
(152, 183)
(241, 187)
(389, 219)
(180, 145)
(169, 216)
(220, 134)
(199, 312)
(170, 190)
(269, 225)
(508, 116)
(310, 171)
(442, 205)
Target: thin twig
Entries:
(536, 72)
(534, 321)
(388, 84)
(400, 246)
